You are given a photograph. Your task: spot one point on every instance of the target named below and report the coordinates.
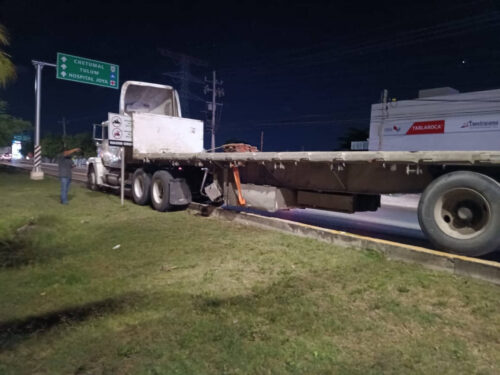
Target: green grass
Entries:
(185, 294)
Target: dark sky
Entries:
(302, 72)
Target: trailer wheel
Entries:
(141, 185)
(460, 212)
(160, 191)
(92, 179)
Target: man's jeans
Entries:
(65, 181)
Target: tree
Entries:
(10, 126)
(352, 135)
(7, 68)
(52, 145)
(84, 142)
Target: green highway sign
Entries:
(80, 69)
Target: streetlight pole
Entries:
(37, 173)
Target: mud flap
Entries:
(180, 194)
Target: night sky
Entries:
(302, 72)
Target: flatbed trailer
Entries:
(459, 209)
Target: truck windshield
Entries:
(149, 99)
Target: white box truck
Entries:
(437, 121)
(166, 166)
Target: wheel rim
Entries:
(462, 213)
(157, 191)
(139, 187)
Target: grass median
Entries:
(97, 288)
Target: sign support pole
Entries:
(120, 134)
(122, 179)
(37, 173)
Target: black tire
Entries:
(92, 179)
(460, 213)
(141, 187)
(160, 191)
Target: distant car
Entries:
(6, 157)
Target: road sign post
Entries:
(120, 134)
(82, 70)
(122, 175)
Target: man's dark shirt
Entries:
(65, 165)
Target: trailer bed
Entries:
(397, 157)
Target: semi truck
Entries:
(165, 166)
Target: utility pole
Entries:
(184, 89)
(216, 92)
(385, 109)
(261, 140)
(214, 108)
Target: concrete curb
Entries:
(431, 259)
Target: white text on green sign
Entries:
(80, 69)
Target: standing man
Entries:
(65, 167)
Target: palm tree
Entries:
(7, 69)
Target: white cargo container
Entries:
(461, 122)
(160, 133)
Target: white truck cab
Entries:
(157, 125)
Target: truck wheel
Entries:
(160, 191)
(141, 186)
(92, 180)
(460, 212)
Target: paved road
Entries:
(391, 222)
(395, 220)
(79, 174)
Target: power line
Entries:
(444, 30)
(184, 76)
(332, 122)
(366, 33)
